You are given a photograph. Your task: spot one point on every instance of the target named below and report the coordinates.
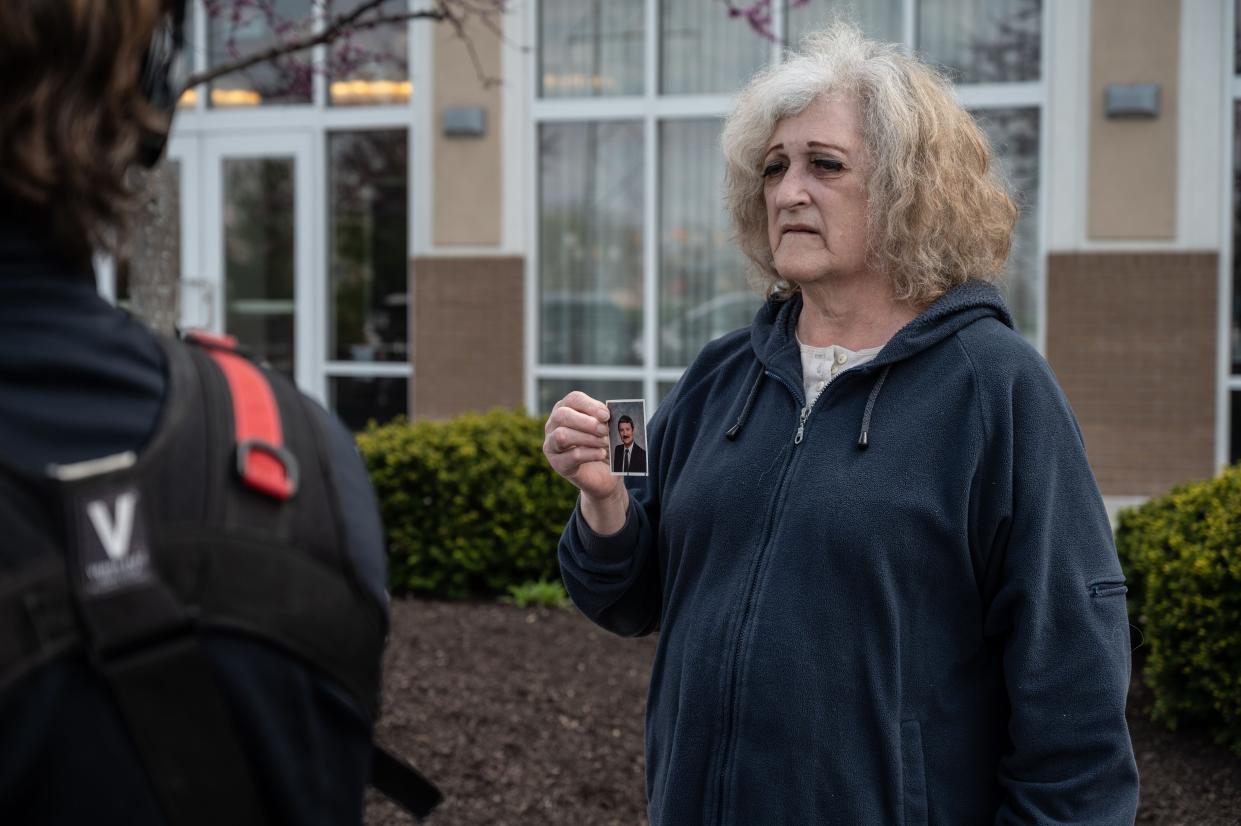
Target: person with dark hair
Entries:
(192, 582)
(628, 457)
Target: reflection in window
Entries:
(1014, 135)
(553, 390)
(704, 50)
(662, 389)
(702, 275)
(1235, 332)
(590, 48)
(1234, 449)
(258, 257)
(982, 41)
(286, 79)
(371, 67)
(878, 19)
(358, 400)
(590, 243)
(189, 98)
(369, 241)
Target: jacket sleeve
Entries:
(616, 580)
(1056, 611)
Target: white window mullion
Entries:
(910, 25)
(650, 202)
(603, 372)
(368, 369)
(318, 57)
(1227, 382)
(780, 29)
(533, 273)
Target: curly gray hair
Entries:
(938, 212)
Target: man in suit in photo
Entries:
(627, 457)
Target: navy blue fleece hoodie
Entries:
(927, 629)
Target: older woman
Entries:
(880, 568)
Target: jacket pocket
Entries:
(913, 774)
(1108, 587)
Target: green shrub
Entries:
(1182, 555)
(470, 505)
(544, 593)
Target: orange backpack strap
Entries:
(263, 462)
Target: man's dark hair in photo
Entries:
(624, 420)
(192, 603)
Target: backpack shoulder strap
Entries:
(141, 638)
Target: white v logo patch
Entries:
(115, 536)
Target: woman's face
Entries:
(815, 187)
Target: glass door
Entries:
(259, 256)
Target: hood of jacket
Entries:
(773, 333)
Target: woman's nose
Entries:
(791, 191)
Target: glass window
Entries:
(703, 49)
(702, 275)
(591, 47)
(369, 241)
(1014, 135)
(982, 41)
(371, 66)
(590, 243)
(1235, 333)
(189, 98)
(880, 19)
(553, 390)
(1234, 450)
(236, 30)
(358, 400)
(1236, 38)
(662, 389)
(258, 257)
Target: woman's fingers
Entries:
(576, 442)
(570, 418)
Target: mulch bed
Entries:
(535, 717)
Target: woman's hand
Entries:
(576, 446)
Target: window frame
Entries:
(198, 126)
(652, 107)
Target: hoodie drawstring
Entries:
(863, 438)
(735, 430)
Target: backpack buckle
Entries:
(270, 469)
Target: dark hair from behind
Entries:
(72, 113)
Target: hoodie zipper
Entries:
(756, 571)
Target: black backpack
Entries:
(225, 522)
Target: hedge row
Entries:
(1182, 556)
(470, 505)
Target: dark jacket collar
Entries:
(774, 339)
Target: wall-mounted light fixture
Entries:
(464, 121)
(1133, 100)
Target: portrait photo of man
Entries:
(628, 437)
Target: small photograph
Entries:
(627, 436)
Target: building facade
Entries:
(405, 238)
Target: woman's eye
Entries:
(828, 164)
(773, 168)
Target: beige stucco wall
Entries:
(466, 170)
(1132, 173)
(468, 328)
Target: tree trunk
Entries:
(154, 249)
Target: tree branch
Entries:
(337, 28)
